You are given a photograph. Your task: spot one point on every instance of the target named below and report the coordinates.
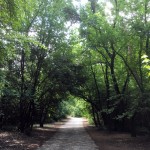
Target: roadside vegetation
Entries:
(92, 60)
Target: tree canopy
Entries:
(54, 51)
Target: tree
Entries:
(111, 37)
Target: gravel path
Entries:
(71, 136)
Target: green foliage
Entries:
(146, 63)
(99, 71)
(75, 107)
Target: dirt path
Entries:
(71, 136)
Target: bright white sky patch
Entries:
(108, 8)
(77, 3)
(108, 5)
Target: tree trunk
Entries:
(22, 119)
(115, 83)
(94, 118)
(42, 119)
(133, 126)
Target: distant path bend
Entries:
(71, 136)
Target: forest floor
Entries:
(12, 140)
(116, 140)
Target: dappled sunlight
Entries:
(31, 146)
(11, 140)
(45, 129)
(17, 140)
(5, 134)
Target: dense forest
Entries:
(60, 56)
